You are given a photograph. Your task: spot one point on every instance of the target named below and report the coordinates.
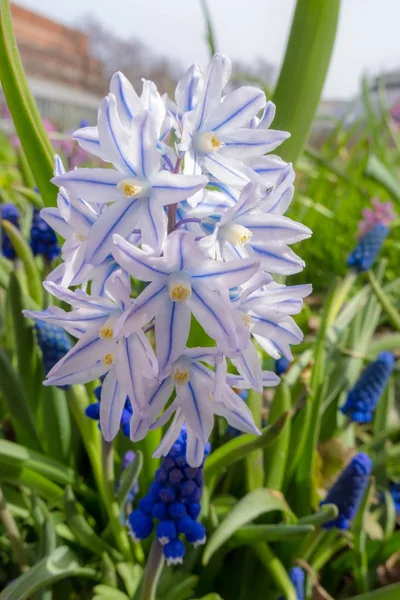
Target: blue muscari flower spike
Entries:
(9, 212)
(93, 412)
(54, 343)
(43, 238)
(296, 575)
(281, 365)
(366, 252)
(394, 490)
(348, 490)
(174, 501)
(363, 398)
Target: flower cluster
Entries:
(362, 400)
(190, 204)
(54, 343)
(174, 501)
(93, 412)
(366, 252)
(9, 212)
(43, 239)
(348, 490)
(297, 578)
(382, 212)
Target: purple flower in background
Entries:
(43, 238)
(382, 212)
(9, 212)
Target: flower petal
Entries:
(246, 143)
(93, 185)
(53, 218)
(196, 407)
(248, 365)
(227, 169)
(218, 275)
(278, 258)
(194, 449)
(268, 228)
(171, 188)
(213, 315)
(172, 331)
(170, 436)
(120, 217)
(137, 262)
(114, 138)
(187, 89)
(112, 403)
(236, 109)
(146, 306)
(153, 224)
(128, 102)
(129, 371)
(210, 95)
(88, 139)
(268, 168)
(143, 152)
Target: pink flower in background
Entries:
(382, 212)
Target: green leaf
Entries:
(109, 574)
(83, 532)
(275, 456)
(109, 593)
(56, 423)
(15, 399)
(30, 195)
(131, 575)
(392, 314)
(255, 460)
(61, 564)
(129, 478)
(390, 592)
(183, 590)
(23, 109)
(378, 171)
(328, 512)
(253, 534)
(24, 253)
(247, 509)
(23, 476)
(239, 447)
(276, 570)
(27, 358)
(304, 69)
(209, 27)
(360, 538)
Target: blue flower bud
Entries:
(43, 238)
(168, 463)
(97, 392)
(197, 534)
(195, 496)
(167, 494)
(166, 532)
(187, 487)
(54, 343)
(281, 365)
(177, 510)
(93, 411)
(184, 524)
(174, 552)
(296, 575)
(348, 490)
(394, 490)
(175, 475)
(190, 472)
(194, 509)
(9, 212)
(160, 511)
(161, 475)
(366, 252)
(146, 504)
(155, 491)
(363, 398)
(140, 525)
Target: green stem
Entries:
(276, 570)
(154, 566)
(13, 533)
(340, 296)
(304, 69)
(113, 509)
(255, 460)
(77, 402)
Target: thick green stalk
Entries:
(304, 70)
(255, 460)
(12, 530)
(154, 566)
(112, 505)
(276, 454)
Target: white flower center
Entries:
(180, 372)
(207, 142)
(79, 237)
(179, 287)
(133, 188)
(235, 234)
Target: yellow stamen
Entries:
(130, 190)
(248, 321)
(181, 377)
(215, 142)
(79, 237)
(180, 293)
(106, 332)
(108, 359)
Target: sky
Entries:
(367, 41)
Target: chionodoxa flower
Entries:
(193, 206)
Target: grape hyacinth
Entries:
(53, 342)
(394, 490)
(362, 400)
(348, 490)
(43, 238)
(281, 365)
(382, 212)
(9, 212)
(173, 500)
(93, 412)
(296, 575)
(192, 203)
(366, 252)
